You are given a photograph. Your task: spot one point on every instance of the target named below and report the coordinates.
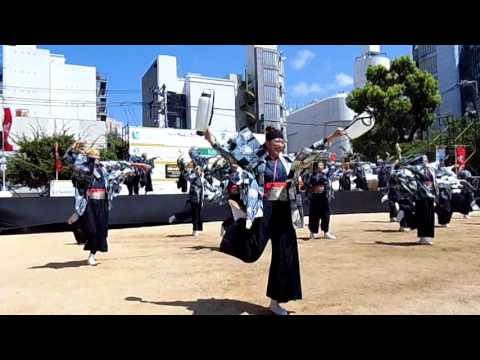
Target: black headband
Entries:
(273, 134)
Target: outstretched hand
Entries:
(142, 166)
(338, 133)
(78, 145)
(209, 136)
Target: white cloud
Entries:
(304, 89)
(302, 58)
(343, 80)
(327, 66)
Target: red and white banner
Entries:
(460, 157)
(7, 125)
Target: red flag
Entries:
(58, 161)
(332, 157)
(7, 125)
(461, 155)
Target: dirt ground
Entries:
(370, 269)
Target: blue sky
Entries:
(312, 72)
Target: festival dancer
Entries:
(384, 171)
(462, 200)
(273, 204)
(345, 183)
(194, 204)
(96, 184)
(146, 176)
(402, 192)
(319, 189)
(446, 180)
(425, 194)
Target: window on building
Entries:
(272, 111)
(270, 93)
(269, 58)
(425, 49)
(270, 76)
(429, 65)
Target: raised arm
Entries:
(76, 150)
(327, 142)
(213, 142)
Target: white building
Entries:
(44, 85)
(224, 106)
(46, 94)
(92, 131)
(315, 121)
(113, 126)
(170, 101)
(370, 56)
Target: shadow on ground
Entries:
(62, 265)
(398, 243)
(211, 306)
(377, 222)
(383, 231)
(200, 247)
(181, 235)
(307, 238)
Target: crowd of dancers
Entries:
(266, 190)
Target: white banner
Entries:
(61, 188)
(166, 145)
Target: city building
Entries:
(316, 120)
(44, 86)
(224, 106)
(171, 102)
(370, 56)
(262, 91)
(113, 126)
(47, 94)
(442, 61)
(469, 68)
(158, 82)
(101, 97)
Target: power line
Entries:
(75, 104)
(13, 87)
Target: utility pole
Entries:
(160, 101)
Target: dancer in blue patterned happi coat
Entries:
(318, 185)
(201, 189)
(274, 207)
(417, 183)
(96, 184)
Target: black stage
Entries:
(40, 214)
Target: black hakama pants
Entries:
(248, 245)
(444, 211)
(462, 202)
(424, 212)
(193, 210)
(93, 226)
(319, 211)
(409, 218)
(393, 198)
